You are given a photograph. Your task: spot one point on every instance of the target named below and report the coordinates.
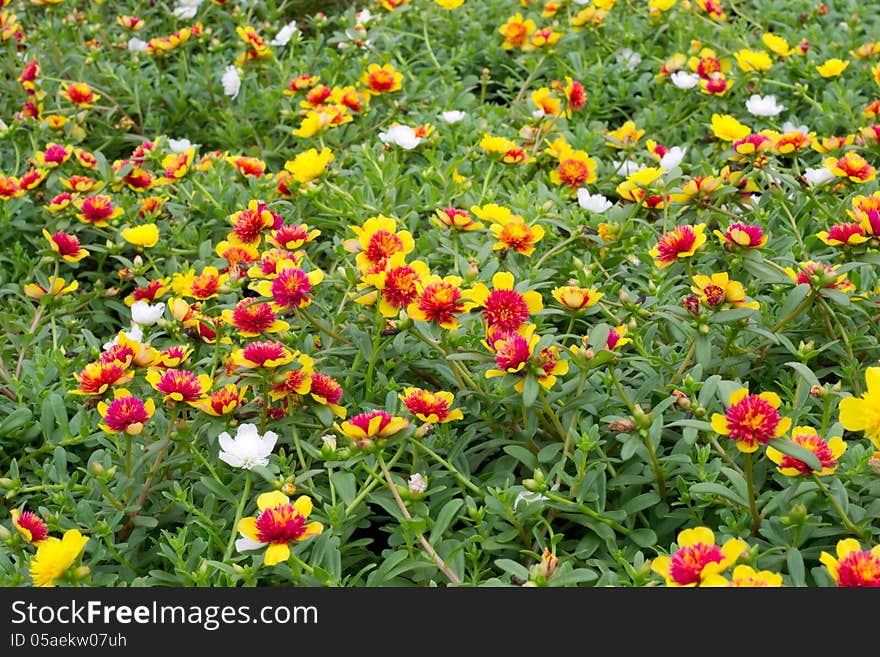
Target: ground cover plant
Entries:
(440, 293)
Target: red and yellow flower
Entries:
(382, 79)
(262, 353)
(751, 420)
(843, 234)
(441, 300)
(30, 526)
(827, 451)
(290, 288)
(96, 378)
(153, 290)
(97, 210)
(853, 567)
(455, 218)
(252, 317)
(297, 381)
(747, 236)
(65, 245)
(222, 401)
(745, 576)
(866, 210)
(503, 307)
(57, 288)
(820, 275)
(371, 428)
(680, 242)
(326, 391)
(718, 289)
(852, 167)
(399, 284)
(575, 169)
(697, 558)
(278, 524)
(430, 407)
(79, 93)
(574, 297)
(516, 235)
(376, 241)
(292, 237)
(179, 385)
(125, 413)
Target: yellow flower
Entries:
(310, 164)
(778, 44)
(863, 413)
(145, 235)
(753, 60)
(450, 4)
(55, 555)
(727, 128)
(718, 289)
(576, 298)
(832, 68)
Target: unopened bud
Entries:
(423, 430)
(5, 534)
(691, 304)
(622, 426)
(623, 296)
(643, 419)
(81, 573)
(818, 391)
(682, 400)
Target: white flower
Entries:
(629, 59)
(3, 127)
(187, 8)
(144, 314)
(452, 116)
(248, 448)
(672, 158)
(400, 135)
(684, 80)
(627, 167)
(180, 145)
(592, 202)
(137, 45)
(417, 483)
(818, 176)
(538, 113)
(231, 81)
(788, 126)
(136, 333)
(329, 440)
(284, 34)
(364, 16)
(758, 105)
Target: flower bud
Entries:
(5, 534)
(682, 400)
(622, 426)
(797, 516)
(643, 419)
(423, 430)
(818, 392)
(81, 573)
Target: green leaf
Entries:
(643, 537)
(795, 562)
(522, 455)
(795, 451)
(804, 371)
(708, 488)
(346, 485)
(445, 518)
(513, 568)
(732, 315)
(15, 420)
(530, 390)
(793, 300)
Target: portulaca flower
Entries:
(180, 145)
(136, 333)
(788, 126)
(400, 135)
(187, 8)
(137, 45)
(672, 158)
(685, 80)
(248, 448)
(629, 59)
(592, 202)
(452, 116)
(758, 105)
(284, 34)
(144, 314)
(627, 167)
(231, 81)
(417, 484)
(818, 176)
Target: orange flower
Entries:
(96, 378)
(222, 401)
(573, 297)
(517, 236)
(851, 166)
(79, 93)
(382, 79)
(516, 31)
(376, 241)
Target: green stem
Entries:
(808, 300)
(436, 558)
(238, 514)
(840, 512)
(583, 508)
(750, 483)
(446, 464)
